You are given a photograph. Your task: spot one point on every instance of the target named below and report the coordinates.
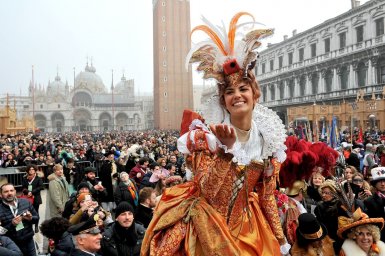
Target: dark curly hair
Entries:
(54, 228)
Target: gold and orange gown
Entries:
(226, 210)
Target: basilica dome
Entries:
(56, 87)
(88, 79)
(125, 87)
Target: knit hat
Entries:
(82, 196)
(83, 185)
(123, 207)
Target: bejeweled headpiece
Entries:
(222, 55)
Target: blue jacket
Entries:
(6, 217)
(8, 247)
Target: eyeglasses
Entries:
(358, 180)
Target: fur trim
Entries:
(351, 248)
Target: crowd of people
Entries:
(230, 182)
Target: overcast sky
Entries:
(117, 34)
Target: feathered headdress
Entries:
(222, 55)
(302, 159)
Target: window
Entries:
(41, 106)
(290, 57)
(163, 3)
(379, 26)
(58, 105)
(165, 94)
(327, 45)
(164, 48)
(360, 33)
(165, 79)
(263, 68)
(313, 49)
(342, 40)
(163, 18)
(271, 65)
(300, 54)
(280, 61)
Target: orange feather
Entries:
(233, 28)
(212, 35)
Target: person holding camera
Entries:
(32, 185)
(17, 215)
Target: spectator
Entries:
(312, 238)
(18, 216)
(86, 238)
(33, 184)
(361, 187)
(124, 236)
(327, 211)
(137, 173)
(95, 185)
(375, 203)
(126, 191)
(147, 203)
(55, 229)
(369, 159)
(71, 205)
(10, 161)
(7, 246)
(58, 190)
(313, 196)
(107, 170)
(354, 158)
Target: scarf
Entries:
(133, 192)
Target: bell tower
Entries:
(173, 90)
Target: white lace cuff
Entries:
(182, 142)
(285, 249)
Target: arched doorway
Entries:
(57, 122)
(82, 119)
(105, 121)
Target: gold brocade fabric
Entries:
(196, 218)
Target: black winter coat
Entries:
(111, 241)
(37, 186)
(64, 246)
(123, 194)
(375, 208)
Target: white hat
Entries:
(378, 173)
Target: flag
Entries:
(323, 133)
(308, 132)
(316, 131)
(333, 133)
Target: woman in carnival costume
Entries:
(361, 234)
(229, 207)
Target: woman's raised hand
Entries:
(225, 134)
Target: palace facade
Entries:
(336, 68)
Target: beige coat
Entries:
(59, 194)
